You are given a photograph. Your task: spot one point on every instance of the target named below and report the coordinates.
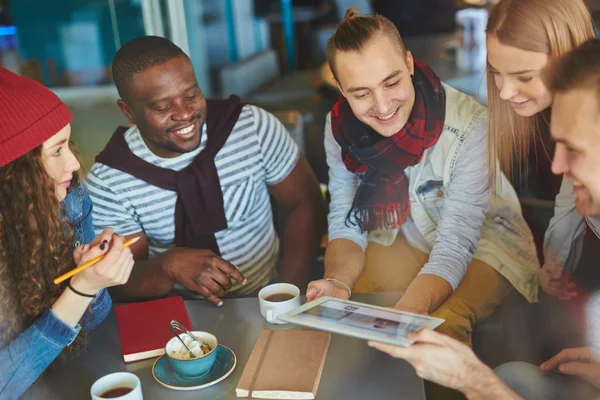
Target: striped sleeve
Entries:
(279, 151)
(109, 210)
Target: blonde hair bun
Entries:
(350, 13)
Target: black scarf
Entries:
(199, 211)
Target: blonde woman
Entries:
(522, 37)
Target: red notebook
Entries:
(144, 328)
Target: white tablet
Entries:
(360, 320)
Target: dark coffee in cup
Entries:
(277, 297)
(116, 392)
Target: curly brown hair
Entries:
(36, 243)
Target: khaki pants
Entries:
(393, 268)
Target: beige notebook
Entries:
(285, 365)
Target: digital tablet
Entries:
(360, 320)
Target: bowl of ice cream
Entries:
(201, 359)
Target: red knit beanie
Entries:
(30, 114)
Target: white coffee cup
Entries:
(272, 309)
(118, 380)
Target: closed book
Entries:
(285, 365)
(144, 328)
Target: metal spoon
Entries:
(175, 327)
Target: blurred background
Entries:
(270, 52)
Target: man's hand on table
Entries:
(204, 272)
(582, 362)
(448, 362)
(322, 287)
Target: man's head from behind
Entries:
(159, 93)
(575, 123)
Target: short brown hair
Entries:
(356, 31)
(577, 69)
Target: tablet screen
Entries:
(365, 318)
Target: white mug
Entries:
(118, 380)
(272, 309)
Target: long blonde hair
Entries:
(553, 27)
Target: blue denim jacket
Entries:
(25, 358)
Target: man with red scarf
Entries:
(410, 196)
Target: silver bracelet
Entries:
(338, 281)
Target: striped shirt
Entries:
(259, 152)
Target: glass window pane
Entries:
(72, 43)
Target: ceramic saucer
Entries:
(163, 372)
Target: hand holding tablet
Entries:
(360, 320)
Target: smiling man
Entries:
(409, 188)
(192, 176)
(575, 124)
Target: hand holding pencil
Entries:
(107, 261)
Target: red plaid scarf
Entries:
(382, 200)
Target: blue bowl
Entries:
(194, 367)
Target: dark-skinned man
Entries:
(192, 176)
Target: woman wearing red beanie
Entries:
(45, 230)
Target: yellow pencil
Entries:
(90, 263)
